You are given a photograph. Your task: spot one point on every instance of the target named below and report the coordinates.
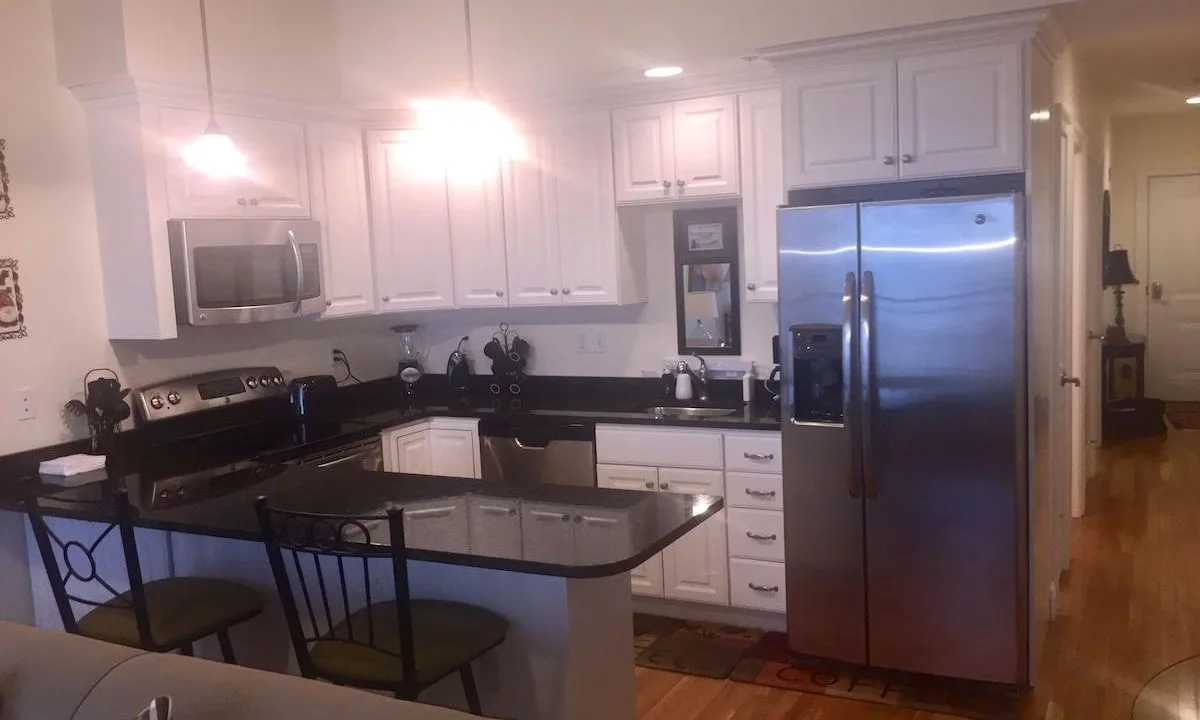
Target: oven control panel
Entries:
(192, 393)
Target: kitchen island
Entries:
(554, 560)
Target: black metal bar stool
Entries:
(157, 616)
(401, 645)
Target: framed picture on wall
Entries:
(6, 210)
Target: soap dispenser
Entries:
(683, 381)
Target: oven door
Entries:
(229, 272)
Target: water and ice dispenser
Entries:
(817, 377)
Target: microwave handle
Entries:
(299, 270)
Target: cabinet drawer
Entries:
(756, 534)
(754, 490)
(754, 452)
(658, 447)
(757, 585)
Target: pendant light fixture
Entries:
(467, 135)
(213, 153)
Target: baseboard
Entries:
(710, 613)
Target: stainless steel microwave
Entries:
(231, 272)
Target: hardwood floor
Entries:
(1130, 606)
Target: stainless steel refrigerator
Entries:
(902, 338)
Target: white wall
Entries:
(1144, 144)
(637, 337)
(392, 49)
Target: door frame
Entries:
(1063, 474)
(1142, 250)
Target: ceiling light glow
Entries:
(467, 136)
(665, 71)
(1195, 100)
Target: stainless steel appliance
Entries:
(229, 272)
(526, 450)
(204, 391)
(902, 326)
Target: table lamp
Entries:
(1116, 274)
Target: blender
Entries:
(409, 369)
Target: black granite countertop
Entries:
(562, 531)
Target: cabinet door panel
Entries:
(586, 213)
(453, 453)
(601, 536)
(437, 525)
(961, 112)
(191, 193)
(495, 527)
(531, 225)
(696, 567)
(627, 477)
(477, 241)
(547, 533)
(412, 453)
(277, 179)
(339, 189)
(411, 225)
(840, 125)
(706, 147)
(644, 145)
(761, 129)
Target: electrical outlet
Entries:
(22, 404)
(583, 346)
(599, 344)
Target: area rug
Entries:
(1184, 415)
(763, 658)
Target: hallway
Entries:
(1130, 607)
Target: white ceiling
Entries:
(1137, 56)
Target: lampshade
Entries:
(1117, 270)
(700, 305)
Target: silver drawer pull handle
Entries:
(764, 588)
(760, 493)
(758, 456)
(755, 536)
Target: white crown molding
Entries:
(126, 89)
(1050, 38)
(917, 39)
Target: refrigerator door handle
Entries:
(866, 343)
(849, 291)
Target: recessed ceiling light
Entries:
(665, 71)
(1194, 100)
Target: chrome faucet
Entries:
(702, 380)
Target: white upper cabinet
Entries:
(644, 153)
(675, 151)
(761, 127)
(564, 245)
(276, 181)
(339, 203)
(410, 223)
(706, 147)
(840, 125)
(477, 241)
(960, 112)
(945, 114)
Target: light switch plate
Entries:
(23, 407)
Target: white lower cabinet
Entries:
(569, 535)
(494, 526)
(437, 525)
(755, 534)
(440, 446)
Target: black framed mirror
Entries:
(707, 304)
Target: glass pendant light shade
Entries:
(215, 155)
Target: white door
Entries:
(547, 533)
(586, 213)
(761, 130)
(961, 112)
(696, 566)
(1061, 398)
(477, 241)
(706, 147)
(339, 195)
(410, 220)
(643, 147)
(531, 225)
(437, 525)
(495, 526)
(413, 453)
(454, 453)
(277, 166)
(647, 578)
(1173, 343)
(190, 193)
(840, 125)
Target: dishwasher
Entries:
(529, 450)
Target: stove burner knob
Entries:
(156, 402)
(278, 380)
(164, 494)
(264, 381)
(251, 382)
(173, 397)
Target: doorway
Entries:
(1172, 227)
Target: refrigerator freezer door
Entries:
(822, 499)
(945, 422)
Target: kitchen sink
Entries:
(690, 412)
